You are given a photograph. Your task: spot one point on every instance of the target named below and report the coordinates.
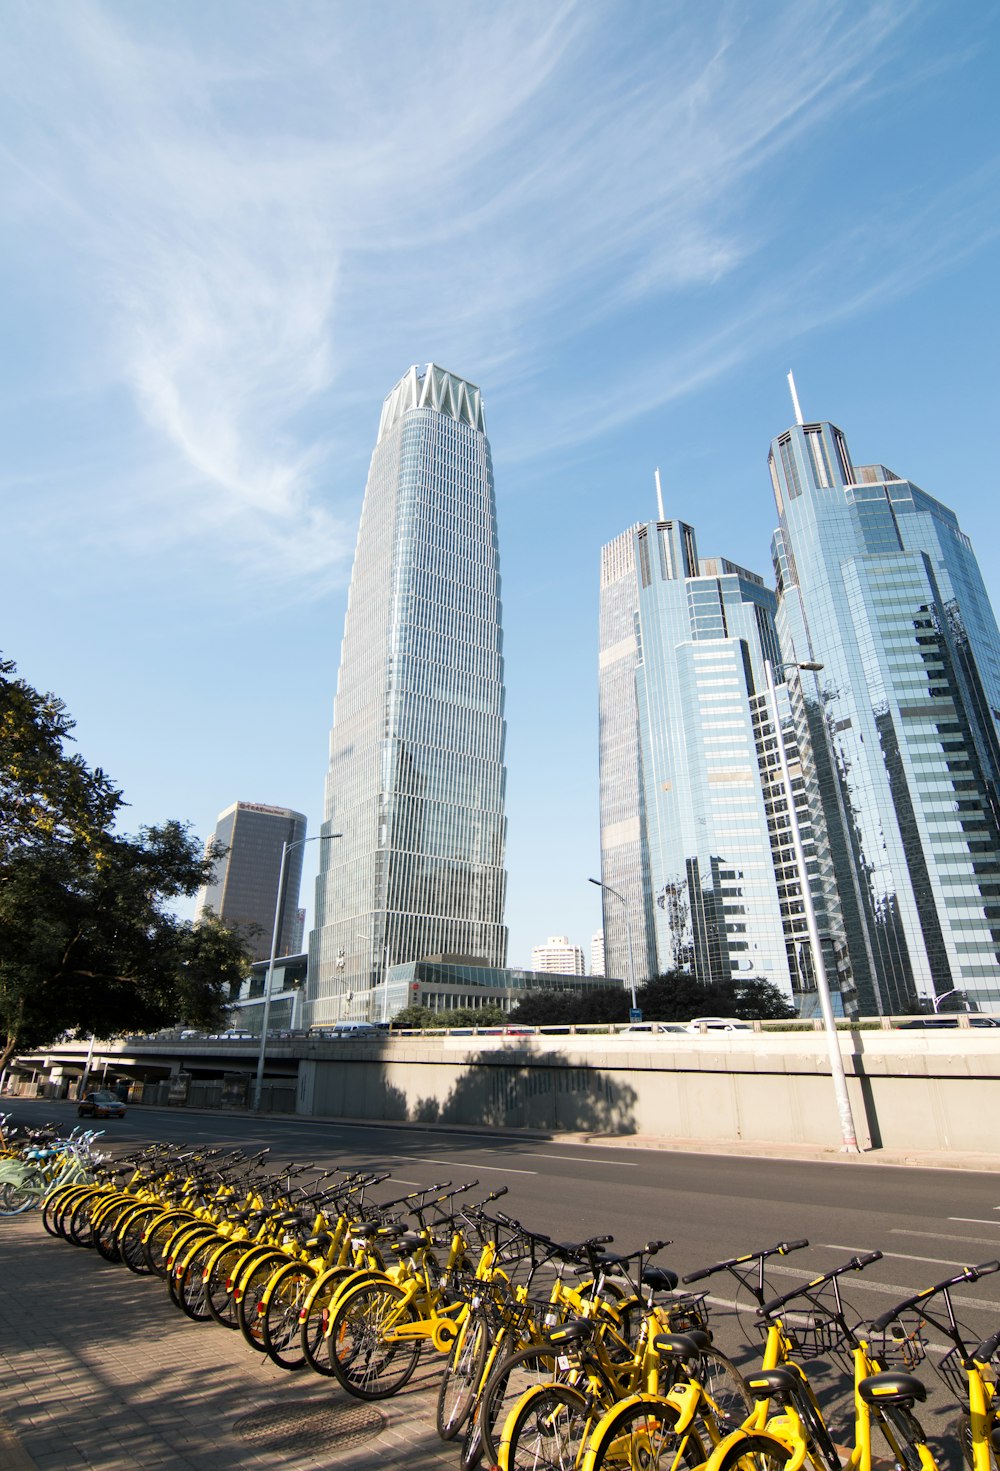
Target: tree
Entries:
(679, 996)
(572, 1008)
(88, 943)
(424, 1018)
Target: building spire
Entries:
(795, 398)
(659, 494)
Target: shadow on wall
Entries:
(500, 1091)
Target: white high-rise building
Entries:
(415, 785)
(597, 954)
(558, 957)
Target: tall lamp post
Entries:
(628, 930)
(286, 848)
(936, 1000)
(848, 1133)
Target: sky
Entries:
(230, 229)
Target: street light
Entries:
(936, 1000)
(286, 848)
(628, 930)
(848, 1133)
(385, 965)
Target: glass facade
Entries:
(416, 777)
(244, 889)
(878, 583)
(695, 831)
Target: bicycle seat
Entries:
(770, 1382)
(891, 1388)
(409, 1241)
(574, 1332)
(685, 1344)
(660, 1279)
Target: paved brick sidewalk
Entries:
(98, 1370)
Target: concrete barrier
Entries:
(928, 1091)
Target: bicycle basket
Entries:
(814, 1335)
(949, 1368)
(684, 1311)
(900, 1345)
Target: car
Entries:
(655, 1027)
(717, 1024)
(233, 1036)
(101, 1105)
(936, 1023)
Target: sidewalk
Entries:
(98, 1370)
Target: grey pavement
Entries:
(98, 1370)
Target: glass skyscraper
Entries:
(695, 839)
(416, 778)
(244, 888)
(878, 583)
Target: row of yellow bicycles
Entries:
(555, 1355)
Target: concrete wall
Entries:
(908, 1091)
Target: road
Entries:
(929, 1224)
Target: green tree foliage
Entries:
(423, 1017)
(87, 939)
(679, 997)
(572, 1008)
(670, 998)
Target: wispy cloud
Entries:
(273, 210)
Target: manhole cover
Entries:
(310, 1427)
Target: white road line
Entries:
(973, 1220)
(944, 1236)
(578, 1159)
(899, 1256)
(466, 1165)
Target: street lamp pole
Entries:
(286, 848)
(848, 1133)
(936, 1000)
(628, 931)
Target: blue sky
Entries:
(231, 229)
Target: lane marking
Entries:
(944, 1236)
(973, 1220)
(578, 1159)
(940, 1261)
(465, 1165)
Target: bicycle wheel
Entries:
(753, 1452)
(157, 1237)
(76, 1221)
(219, 1296)
(368, 1364)
(462, 1375)
(130, 1231)
(548, 1430)
(904, 1435)
(512, 1377)
(726, 1388)
(314, 1316)
(25, 1196)
(105, 1221)
(642, 1435)
(61, 1200)
(251, 1284)
(188, 1287)
(286, 1293)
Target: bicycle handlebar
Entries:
(987, 1348)
(856, 1264)
(782, 1249)
(971, 1274)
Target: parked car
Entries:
(101, 1105)
(655, 1027)
(717, 1024)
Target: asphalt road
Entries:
(929, 1224)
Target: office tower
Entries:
(415, 785)
(558, 957)
(244, 889)
(696, 869)
(597, 954)
(878, 583)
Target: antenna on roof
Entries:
(795, 398)
(659, 494)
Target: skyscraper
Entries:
(878, 583)
(558, 957)
(697, 864)
(416, 778)
(244, 889)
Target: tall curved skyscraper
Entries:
(416, 779)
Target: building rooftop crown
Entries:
(434, 388)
